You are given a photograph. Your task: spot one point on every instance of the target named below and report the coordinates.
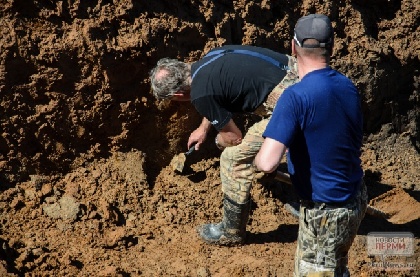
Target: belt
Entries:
(320, 205)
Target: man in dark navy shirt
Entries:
(229, 79)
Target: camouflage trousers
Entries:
(236, 169)
(325, 236)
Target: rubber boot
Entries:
(232, 229)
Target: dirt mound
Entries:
(87, 188)
(399, 205)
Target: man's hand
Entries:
(230, 135)
(199, 135)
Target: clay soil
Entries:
(87, 188)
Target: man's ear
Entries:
(181, 96)
(293, 47)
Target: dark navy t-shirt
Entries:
(320, 120)
(234, 83)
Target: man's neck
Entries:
(306, 65)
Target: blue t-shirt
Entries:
(320, 120)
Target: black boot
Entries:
(231, 230)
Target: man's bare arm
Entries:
(270, 155)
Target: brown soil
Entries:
(87, 188)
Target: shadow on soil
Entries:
(285, 233)
(376, 224)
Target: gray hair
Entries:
(175, 79)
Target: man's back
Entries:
(323, 122)
(234, 82)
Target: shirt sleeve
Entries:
(209, 107)
(284, 123)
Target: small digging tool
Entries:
(285, 178)
(178, 161)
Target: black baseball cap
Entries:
(314, 26)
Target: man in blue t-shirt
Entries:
(319, 121)
(231, 79)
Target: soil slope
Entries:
(86, 183)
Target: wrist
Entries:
(218, 145)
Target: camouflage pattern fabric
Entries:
(236, 169)
(291, 77)
(325, 236)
